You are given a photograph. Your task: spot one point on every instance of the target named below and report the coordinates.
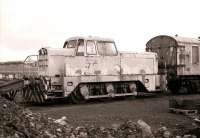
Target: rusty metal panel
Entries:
(186, 41)
(138, 63)
(51, 61)
(92, 65)
(166, 48)
(124, 67)
(56, 65)
(190, 60)
(90, 69)
(177, 55)
(140, 66)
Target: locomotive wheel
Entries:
(183, 90)
(76, 97)
(83, 91)
(73, 98)
(110, 89)
(133, 88)
(188, 87)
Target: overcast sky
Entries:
(28, 25)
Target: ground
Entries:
(154, 111)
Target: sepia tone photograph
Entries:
(99, 69)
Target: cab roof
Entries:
(94, 38)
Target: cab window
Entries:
(80, 48)
(195, 55)
(106, 48)
(91, 48)
(71, 44)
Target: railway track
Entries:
(32, 90)
(21, 90)
(10, 88)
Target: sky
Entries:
(28, 25)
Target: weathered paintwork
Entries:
(142, 66)
(51, 61)
(68, 68)
(120, 67)
(179, 55)
(178, 62)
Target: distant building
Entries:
(15, 69)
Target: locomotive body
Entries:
(91, 67)
(178, 62)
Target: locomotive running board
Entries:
(110, 95)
